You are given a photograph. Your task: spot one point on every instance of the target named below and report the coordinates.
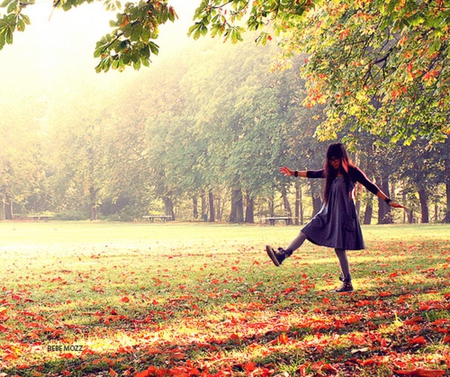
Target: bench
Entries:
(40, 217)
(287, 219)
(163, 218)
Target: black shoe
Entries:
(345, 287)
(277, 256)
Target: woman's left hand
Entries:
(396, 205)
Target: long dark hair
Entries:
(336, 150)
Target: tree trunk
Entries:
(316, 198)
(237, 210)
(204, 206)
(194, 207)
(383, 209)
(93, 207)
(286, 205)
(93, 214)
(2, 208)
(447, 213)
(368, 213)
(219, 209)
(9, 213)
(423, 197)
(358, 208)
(212, 213)
(271, 206)
(249, 210)
(298, 203)
(168, 207)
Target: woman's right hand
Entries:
(286, 171)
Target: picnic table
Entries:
(163, 218)
(287, 219)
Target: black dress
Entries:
(337, 225)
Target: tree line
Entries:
(201, 137)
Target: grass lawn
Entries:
(178, 299)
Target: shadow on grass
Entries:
(362, 333)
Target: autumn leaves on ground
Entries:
(110, 299)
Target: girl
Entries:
(336, 225)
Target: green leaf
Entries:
(25, 19)
(145, 52)
(136, 32)
(416, 20)
(154, 48)
(194, 30)
(436, 46)
(172, 14)
(20, 25)
(9, 36)
(137, 65)
(5, 3)
(115, 64)
(12, 6)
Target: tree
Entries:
(378, 66)
(388, 79)
(21, 172)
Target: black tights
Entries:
(340, 253)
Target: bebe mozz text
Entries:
(64, 348)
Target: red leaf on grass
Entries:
(125, 299)
(234, 337)
(417, 340)
(145, 373)
(413, 320)
(283, 339)
(420, 372)
(250, 367)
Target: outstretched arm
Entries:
(361, 177)
(289, 172)
(384, 197)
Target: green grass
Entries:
(203, 299)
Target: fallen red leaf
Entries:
(417, 340)
(250, 367)
(283, 339)
(420, 372)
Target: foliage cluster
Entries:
(376, 66)
(204, 300)
(208, 141)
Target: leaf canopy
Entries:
(375, 65)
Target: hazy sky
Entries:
(62, 48)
